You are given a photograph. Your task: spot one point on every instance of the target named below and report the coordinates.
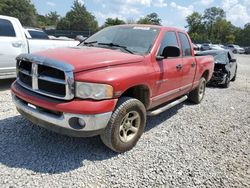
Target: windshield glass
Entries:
(137, 39)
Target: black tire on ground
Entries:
(126, 125)
(235, 75)
(197, 95)
(227, 81)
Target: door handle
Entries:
(17, 44)
(193, 64)
(179, 67)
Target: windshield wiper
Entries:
(117, 45)
(91, 42)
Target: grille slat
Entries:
(45, 79)
(51, 79)
(28, 73)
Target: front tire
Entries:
(126, 125)
(197, 95)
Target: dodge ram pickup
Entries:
(110, 83)
(15, 40)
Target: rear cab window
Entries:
(185, 45)
(169, 39)
(6, 29)
(38, 34)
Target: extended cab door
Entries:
(188, 63)
(169, 73)
(12, 44)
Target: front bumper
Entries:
(63, 123)
(218, 78)
(63, 116)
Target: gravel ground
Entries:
(206, 145)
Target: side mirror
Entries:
(171, 51)
(232, 60)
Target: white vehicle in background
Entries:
(15, 40)
(217, 47)
(236, 49)
(206, 46)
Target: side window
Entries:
(186, 48)
(168, 40)
(6, 29)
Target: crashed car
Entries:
(225, 69)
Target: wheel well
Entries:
(206, 75)
(141, 92)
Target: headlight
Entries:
(93, 91)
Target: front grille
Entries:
(45, 76)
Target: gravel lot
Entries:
(206, 145)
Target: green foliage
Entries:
(131, 21)
(230, 39)
(50, 19)
(243, 36)
(111, 21)
(213, 27)
(53, 18)
(24, 10)
(151, 19)
(78, 18)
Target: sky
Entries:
(172, 13)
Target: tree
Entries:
(24, 10)
(78, 18)
(111, 21)
(131, 21)
(152, 19)
(196, 27)
(210, 17)
(230, 39)
(50, 19)
(53, 18)
(42, 21)
(211, 26)
(243, 35)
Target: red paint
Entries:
(123, 71)
(74, 107)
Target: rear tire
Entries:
(197, 95)
(126, 125)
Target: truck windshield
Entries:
(135, 39)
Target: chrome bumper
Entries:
(65, 123)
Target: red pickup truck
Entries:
(110, 83)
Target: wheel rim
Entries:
(202, 90)
(129, 126)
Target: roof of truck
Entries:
(152, 26)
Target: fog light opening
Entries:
(77, 123)
(81, 123)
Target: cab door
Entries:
(11, 45)
(188, 63)
(169, 72)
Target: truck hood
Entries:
(87, 58)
